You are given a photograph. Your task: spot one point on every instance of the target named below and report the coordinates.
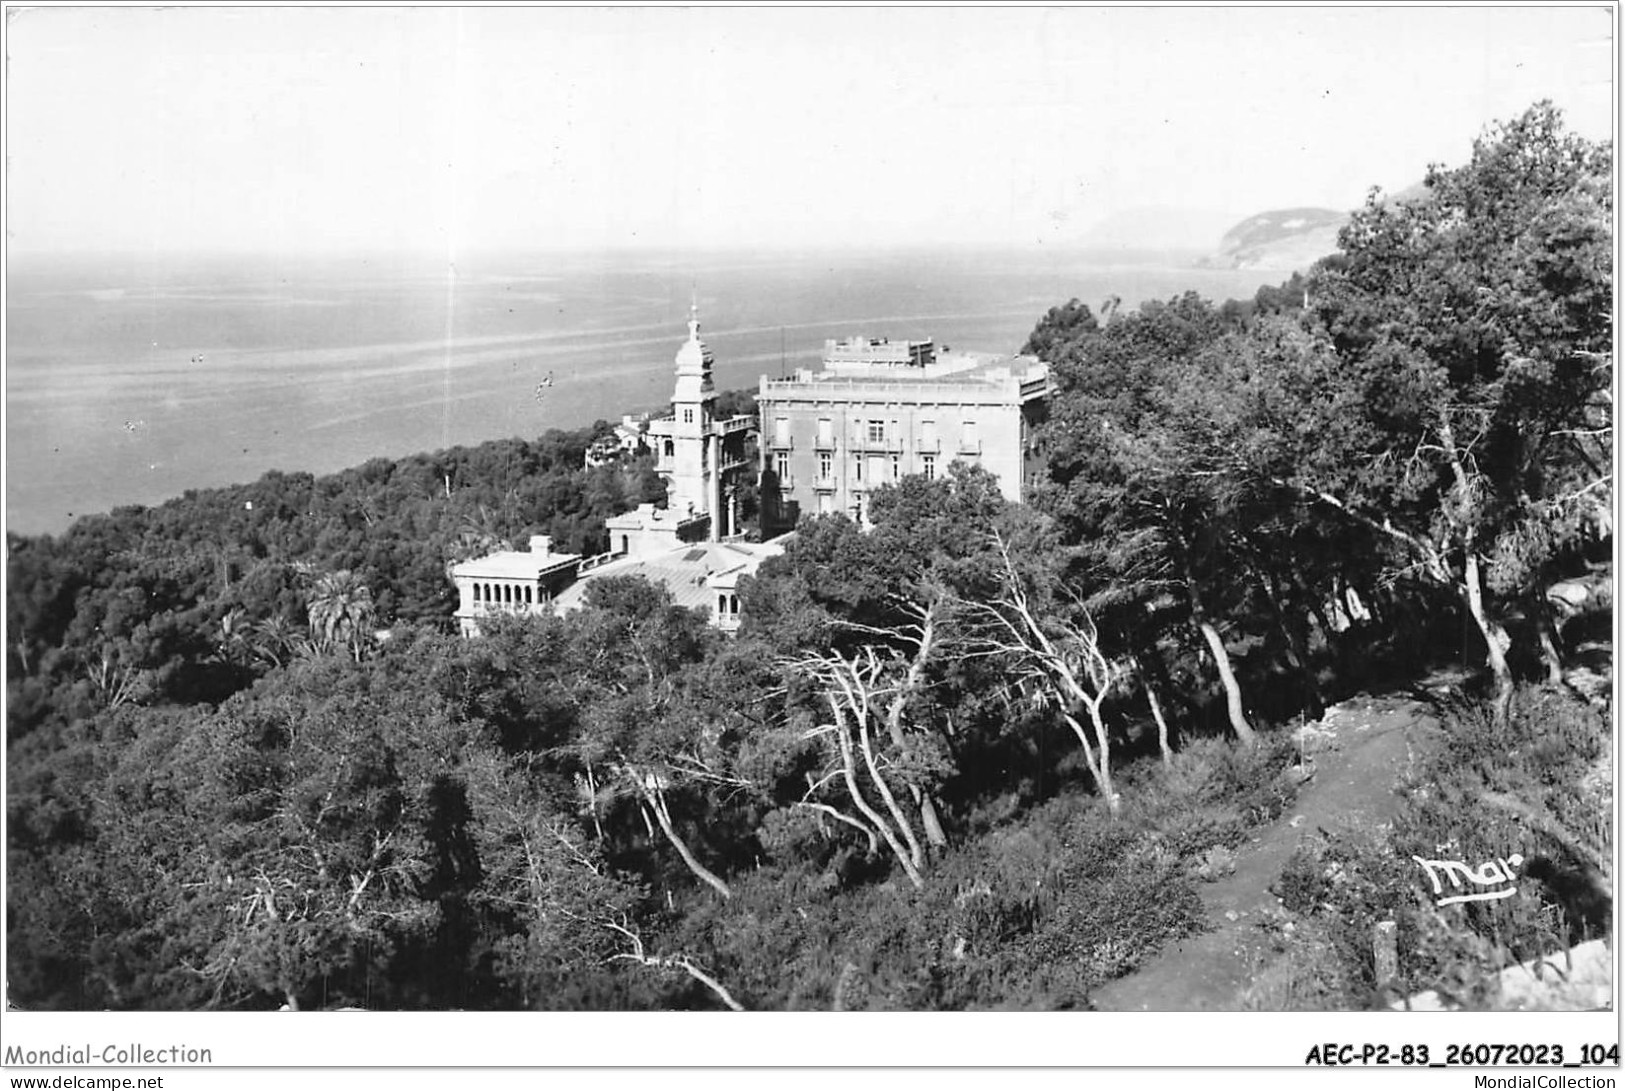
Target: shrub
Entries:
(1305, 882)
(1308, 977)
(1028, 916)
(1211, 794)
(1528, 787)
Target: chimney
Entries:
(541, 543)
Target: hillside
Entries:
(1287, 239)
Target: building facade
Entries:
(626, 439)
(511, 582)
(879, 411)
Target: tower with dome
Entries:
(698, 455)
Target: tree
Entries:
(341, 611)
(478, 534)
(1061, 659)
(1059, 328)
(557, 902)
(630, 649)
(1474, 331)
(274, 640)
(1251, 409)
(868, 695)
(1124, 476)
(338, 823)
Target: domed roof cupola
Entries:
(694, 358)
(693, 366)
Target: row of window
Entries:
(505, 594)
(874, 431)
(826, 467)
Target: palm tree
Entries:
(340, 610)
(478, 535)
(274, 639)
(485, 526)
(231, 645)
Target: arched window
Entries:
(475, 592)
(528, 599)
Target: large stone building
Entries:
(681, 546)
(876, 412)
(702, 576)
(881, 410)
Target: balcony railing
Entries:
(486, 609)
(888, 445)
(782, 443)
(599, 560)
(970, 446)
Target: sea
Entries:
(132, 379)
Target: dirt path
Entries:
(1358, 752)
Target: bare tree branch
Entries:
(640, 956)
(824, 808)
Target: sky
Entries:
(448, 129)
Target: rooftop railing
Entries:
(598, 560)
(971, 389)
